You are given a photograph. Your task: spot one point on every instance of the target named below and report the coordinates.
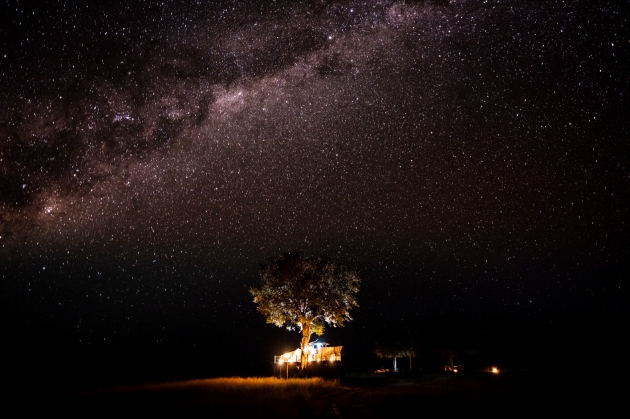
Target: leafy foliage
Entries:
(392, 343)
(295, 291)
(306, 293)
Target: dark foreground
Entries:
(355, 396)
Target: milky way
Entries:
(477, 147)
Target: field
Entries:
(355, 396)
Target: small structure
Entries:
(454, 368)
(317, 352)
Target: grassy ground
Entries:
(224, 397)
(357, 396)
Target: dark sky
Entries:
(463, 156)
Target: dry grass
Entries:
(359, 397)
(266, 385)
(228, 397)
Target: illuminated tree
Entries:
(306, 293)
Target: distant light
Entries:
(495, 370)
(280, 361)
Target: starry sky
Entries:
(462, 156)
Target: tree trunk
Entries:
(306, 337)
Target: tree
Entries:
(305, 293)
(392, 344)
(449, 336)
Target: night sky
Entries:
(463, 156)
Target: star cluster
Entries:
(460, 154)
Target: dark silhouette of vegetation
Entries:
(448, 335)
(392, 343)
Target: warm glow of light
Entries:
(495, 370)
(322, 353)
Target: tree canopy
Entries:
(392, 343)
(449, 336)
(306, 293)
